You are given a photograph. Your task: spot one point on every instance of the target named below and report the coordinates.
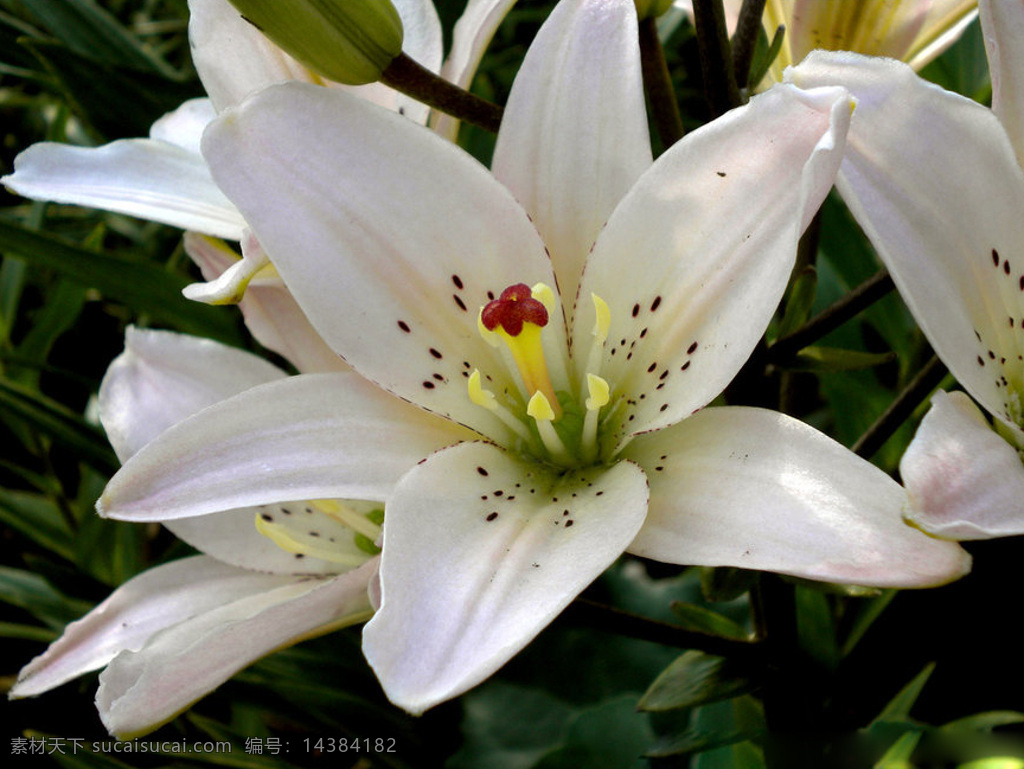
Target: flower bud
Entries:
(347, 41)
(652, 8)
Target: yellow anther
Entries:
(544, 294)
(598, 389)
(347, 516)
(540, 408)
(602, 319)
(478, 394)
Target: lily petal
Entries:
(470, 38)
(1003, 26)
(964, 480)
(574, 137)
(140, 690)
(155, 599)
(481, 551)
(949, 231)
(755, 489)
(162, 377)
(229, 287)
(232, 57)
(327, 213)
(271, 313)
(147, 178)
(713, 249)
(184, 126)
(313, 436)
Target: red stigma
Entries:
(514, 307)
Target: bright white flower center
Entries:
(561, 427)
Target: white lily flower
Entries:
(936, 182)
(429, 277)
(915, 31)
(175, 632)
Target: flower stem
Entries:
(899, 410)
(744, 39)
(832, 317)
(405, 75)
(720, 87)
(658, 84)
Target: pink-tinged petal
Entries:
(184, 126)
(313, 436)
(710, 235)
(271, 313)
(140, 690)
(964, 480)
(759, 490)
(399, 303)
(574, 137)
(146, 178)
(473, 32)
(481, 551)
(1002, 22)
(934, 182)
(155, 599)
(163, 377)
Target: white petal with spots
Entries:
(964, 480)
(759, 490)
(399, 304)
(481, 551)
(933, 180)
(710, 233)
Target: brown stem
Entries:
(715, 59)
(405, 75)
(658, 84)
(899, 410)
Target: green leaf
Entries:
(34, 594)
(100, 91)
(725, 583)
(611, 735)
(91, 31)
(39, 519)
(833, 359)
(799, 302)
(704, 620)
(58, 422)
(866, 613)
(898, 709)
(815, 628)
(695, 678)
(510, 726)
(146, 288)
(741, 715)
(985, 722)
(898, 756)
(27, 632)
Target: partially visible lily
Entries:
(164, 177)
(268, 576)
(936, 182)
(560, 328)
(915, 31)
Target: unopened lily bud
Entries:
(651, 8)
(347, 41)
